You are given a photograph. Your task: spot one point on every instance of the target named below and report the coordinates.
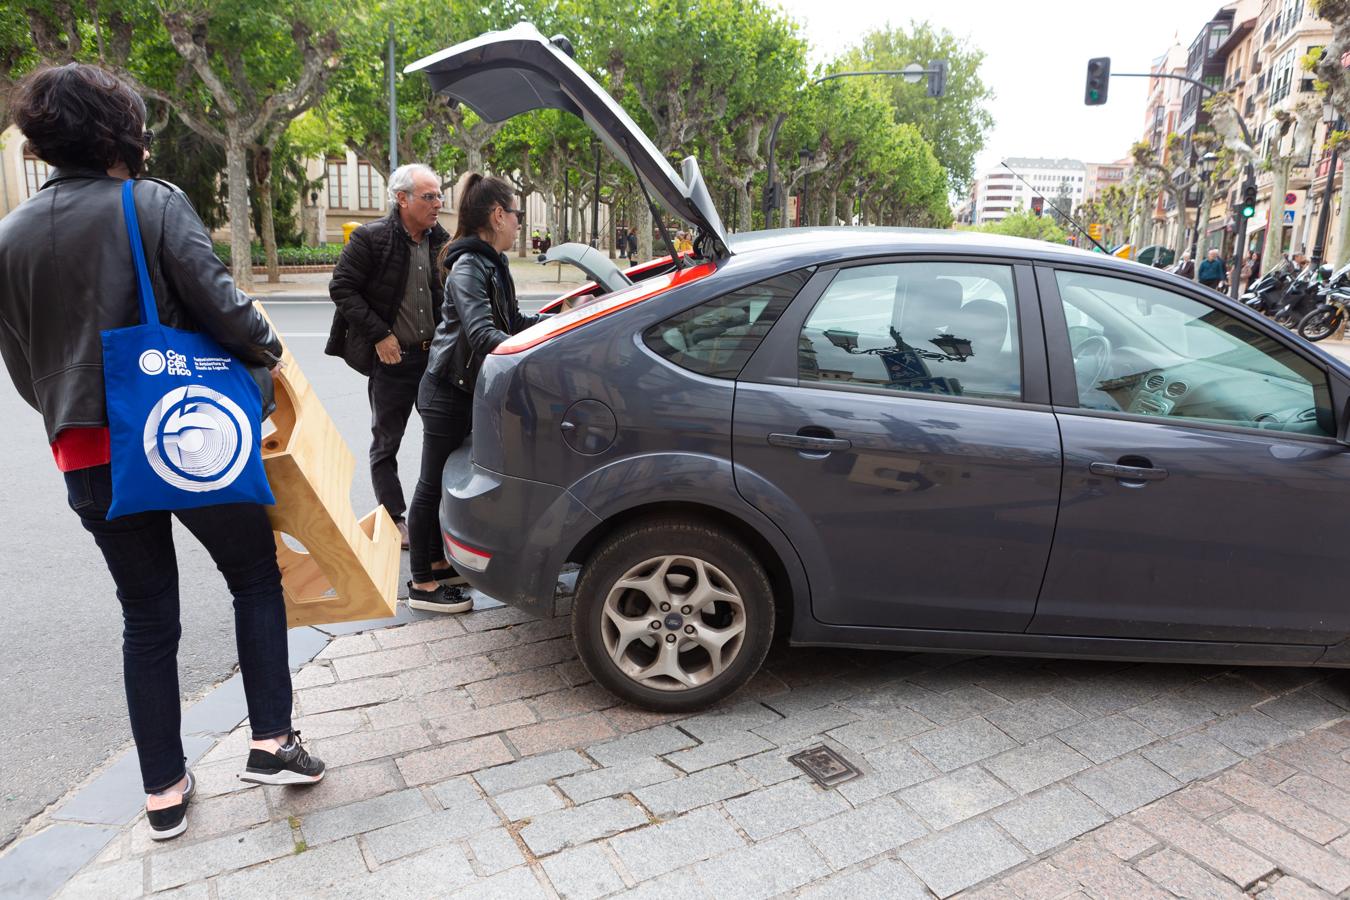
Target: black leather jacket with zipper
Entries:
(478, 313)
(66, 275)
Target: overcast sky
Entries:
(1036, 55)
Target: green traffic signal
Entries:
(1098, 80)
(1248, 212)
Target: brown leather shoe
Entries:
(402, 526)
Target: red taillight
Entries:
(565, 322)
(465, 556)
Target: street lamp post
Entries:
(804, 156)
(1208, 163)
(595, 207)
(1324, 218)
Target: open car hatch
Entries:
(505, 73)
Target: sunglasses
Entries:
(518, 213)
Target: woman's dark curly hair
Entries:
(81, 116)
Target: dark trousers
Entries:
(140, 555)
(447, 417)
(393, 394)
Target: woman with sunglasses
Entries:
(478, 313)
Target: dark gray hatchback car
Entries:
(893, 439)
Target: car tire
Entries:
(624, 638)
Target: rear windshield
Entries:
(717, 338)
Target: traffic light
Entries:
(1038, 205)
(1248, 207)
(937, 78)
(1098, 79)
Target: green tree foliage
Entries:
(254, 89)
(1026, 224)
(955, 124)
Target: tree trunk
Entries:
(1342, 254)
(236, 169)
(743, 206)
(262, 173)
(833, 207)
(644, 227)
(269, 234)
(1275, 217)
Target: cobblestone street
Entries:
(472, 756)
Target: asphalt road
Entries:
(61, 669)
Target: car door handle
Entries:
(1127, 473)
(809, 442)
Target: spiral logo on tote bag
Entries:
(197, 439)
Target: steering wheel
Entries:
(1091, 359)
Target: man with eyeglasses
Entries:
(388, 298)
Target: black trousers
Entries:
(447, 417)
(393, 394)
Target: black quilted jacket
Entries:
(368, 284)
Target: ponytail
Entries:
(479, 195)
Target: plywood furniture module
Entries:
(348, 569)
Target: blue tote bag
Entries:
(184, 416)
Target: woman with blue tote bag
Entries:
(122, 328)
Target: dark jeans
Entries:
(393, 393)
(447, 416)
(140, 555)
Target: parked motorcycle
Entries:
(1266, 295)
(1326, 319)
(1302, 296)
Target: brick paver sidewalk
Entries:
(471, 756)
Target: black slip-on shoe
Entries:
(449, 576)
(172, 821)
(444, 599)
(290, 764)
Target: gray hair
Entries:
(401, 179)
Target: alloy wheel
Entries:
(673, 622)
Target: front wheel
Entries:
(672, 615)
(1320, 323)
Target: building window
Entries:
(35, 174)
(1281, 77)
(339, 193)
(369, 186)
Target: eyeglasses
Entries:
(147, 138)
(430, 197)
(518, 213)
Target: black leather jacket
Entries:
(66, 274)
(478, 313)
(368, 284)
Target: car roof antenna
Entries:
(656, 213)
(1062, 214)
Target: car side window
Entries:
(1144, 350)
(925, 327)
(717, 338)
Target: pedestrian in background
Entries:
(478, 313)
(1211, 269)
(388, 303)
(67, 274)
(632, 247)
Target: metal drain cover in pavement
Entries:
(824, 765)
